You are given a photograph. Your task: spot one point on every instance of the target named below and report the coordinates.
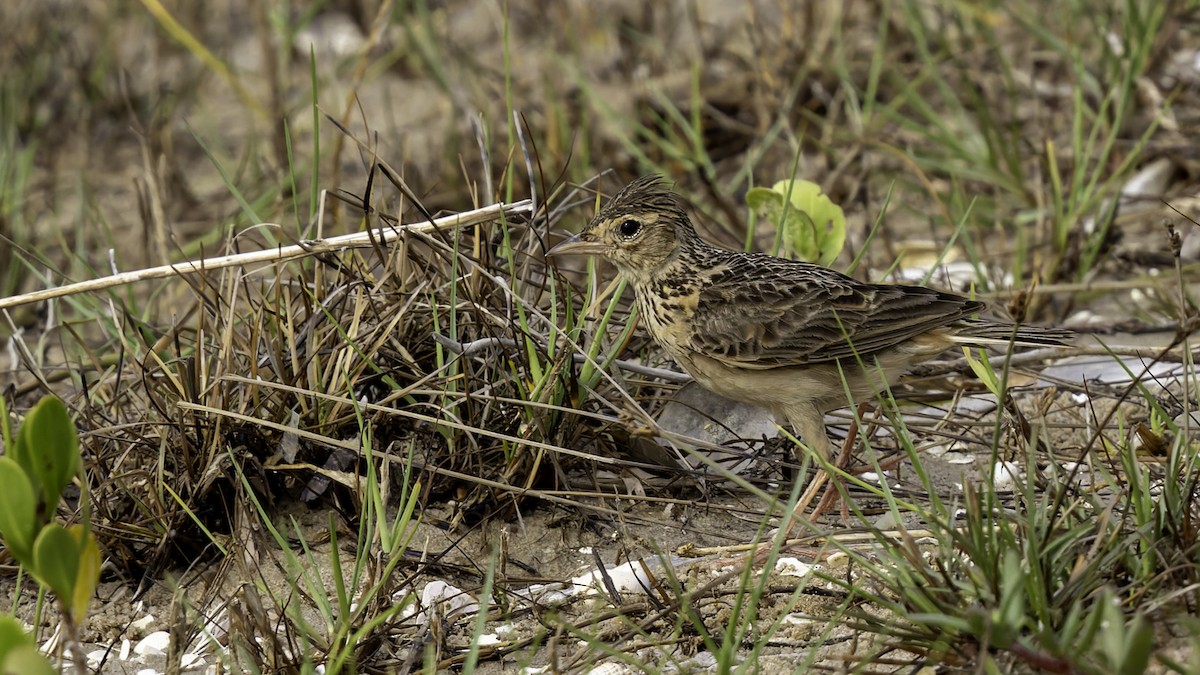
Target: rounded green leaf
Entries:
(18, 510)
(56, 560)
(20, 452)
(800, 235)
(12, 635)
(52, 445)
(813, 227)
(819, 234)
(762, 199)
(26, 660)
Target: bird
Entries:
(794, 337)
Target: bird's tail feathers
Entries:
(994, 333)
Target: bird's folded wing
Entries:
(796, 314)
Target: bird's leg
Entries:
(843, 461)
(832, 493)
(814, 486)
(810, 423)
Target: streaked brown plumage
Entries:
(770, 331)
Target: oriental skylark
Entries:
(777, 333)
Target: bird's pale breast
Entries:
(667, 307)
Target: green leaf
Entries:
(12, 635)
(53, 447)
(761, 199)
(800, 235)
(18, 510)
(1126, 646)
(26, 660)
(88, 575)
(1112, 628)
(813, 227)
(1139, 645)
(982, 367)
(56, 560)
(1011, 612)
(820, 231)
(22, 454)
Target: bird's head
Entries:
(640, 230)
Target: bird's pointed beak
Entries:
(577, 245)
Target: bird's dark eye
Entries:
(629, 229)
